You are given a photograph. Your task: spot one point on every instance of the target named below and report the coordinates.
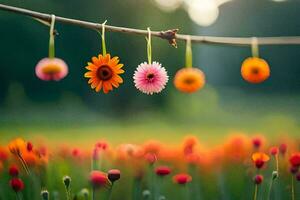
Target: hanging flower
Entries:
(51, 69)
(189, 80)
(104, 73)
(255, 70)
(150, 78)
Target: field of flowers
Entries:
(241, 167)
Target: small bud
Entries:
(114, 175)
(13, 170)
(85, 193)
(258, 179)
(146, 194)
(45, 195)
(16, 184)
(274, 175)
(67, 181)
(29, 146)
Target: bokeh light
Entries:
(203, 12)
(168, 5)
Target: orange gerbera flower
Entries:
(255, 70)
(104, 73)
(189, 80)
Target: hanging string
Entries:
(254, 47)
(149, 47)
(188, 53)
(51, 39)
(103, 39)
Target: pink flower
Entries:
(150, 78)
(49, 69)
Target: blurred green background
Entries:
(69, 109)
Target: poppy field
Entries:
(240, 167)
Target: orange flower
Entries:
(17, 146)
(260, 159)
(189, 80)
(255, 70)
(103, 73)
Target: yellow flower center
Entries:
(51, 69)
(104, 73)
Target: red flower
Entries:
(274, 151)
(260, 159)
(102, 145)
(98, 179)
(13, 170)
(182, 178)
(257, 142)
(29, 146)
(295, 160)
(258, 179)
(162, 170)
(16, 184)
(283, 148)
(151, 158)
(114, 175)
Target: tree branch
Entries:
(169, 35)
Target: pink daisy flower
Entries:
(49, 69)
(150, 78)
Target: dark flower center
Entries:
(104, 73)
(150, 76)
(255, 70)
(189, 80)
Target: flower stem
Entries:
(24, 165)
(270, 188)
(188, 53)
(293, 189)
(110, 192)
(51, 39)
(103, 39)
(93, 193)
(255, 192)
(254, 47)
(149, 47)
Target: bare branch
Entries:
(170, 35)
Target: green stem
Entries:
(24, 165)
(254, 47)
(270, 188)
(255, 192)
(293, 189)
(51, 39)
(18, 197)
(149, 48)
(103, 39)
(110, 192)
(93, 193)
(188, 53)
